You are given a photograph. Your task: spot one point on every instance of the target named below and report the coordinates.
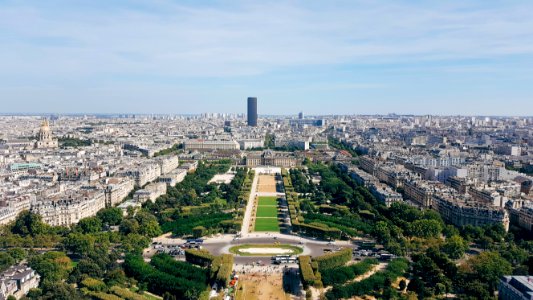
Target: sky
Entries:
(320, 57)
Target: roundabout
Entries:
(265, 250)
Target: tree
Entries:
(382, 232)
(476, 290)
(116, 277)
(496, 232)
(80, 244)
(135, 243)
(129, 226)
(395, 248)
(198, 231)
(18, 254)
(425, 228)
(440, 289)
(485, 242)
(90, 225)
(34, 294)
(487, 267)
(6, 261)
(28, 223)
(59, 291)
(455, 247)
(148, 224)
(417, 285)
(111, 216)
(471, 232)
(52, 266)
(450, 230)
(84, 268)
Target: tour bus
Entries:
(284, 259)
(195, 241)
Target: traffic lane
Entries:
(315, 249)
(251, 260)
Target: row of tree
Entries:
(160, 282)
(436, 248)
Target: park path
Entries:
(245, 227)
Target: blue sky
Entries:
(322, 57)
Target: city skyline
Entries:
(218, 149)
(97, 57)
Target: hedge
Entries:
(201, 258)
(372, 284)
(344, 274)
(159, 282)
(125, 293)
(93, 284)
(334, 259)
(348, 224)
(183, 225)
(320, 232)
(221, 269)
(340, 209)
(310, 276)
(167, 264)
(196, 210)
(104, 296)
(231, 225)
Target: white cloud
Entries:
(250, 39)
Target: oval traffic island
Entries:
(265, 250)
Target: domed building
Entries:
(46, 140)
(271, 158)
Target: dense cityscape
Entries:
(266, 150)
(316, 207)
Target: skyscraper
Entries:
(252, 111)
(301, 115)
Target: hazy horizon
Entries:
(106, 114)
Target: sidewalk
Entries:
(245, 227)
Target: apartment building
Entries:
(117, 189)
(456, 209)
(150, 192)
(168, 163)
(174, 177)
(385, 194)
(65, 209)
(17, 281)
(368, 164)
(203, 145)
(12, 205)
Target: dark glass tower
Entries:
(252, 111)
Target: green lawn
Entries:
(267, 214)
(237, 249)
(267, 211)
(268, 201)
(267, 224)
